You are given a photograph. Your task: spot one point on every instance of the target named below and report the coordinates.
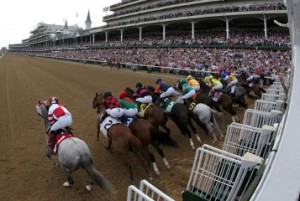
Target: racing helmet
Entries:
(107, 94)
(138, 85)
(53, 100)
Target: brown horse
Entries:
(225, 100)
(254, 87)
(154, 114)
(123, 140)
(149, 135)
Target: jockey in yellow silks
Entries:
(207, 79)
(193, 83)
(215, 84)
(232, 81)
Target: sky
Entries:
(19, 17)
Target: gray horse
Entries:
(74, 153)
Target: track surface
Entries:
(26, 173)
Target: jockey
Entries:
(249, 77)
(224, 75)
(167, 90)
(215, 84)
(59, 118)
(188, 93)
(193, 83)
(142, 95)
(232, 81)
(130, 108)
(207, 79)
(113, 107)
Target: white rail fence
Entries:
(268, 106)
(146, 192)
(242, 138)
(260, 118)
(220, 175)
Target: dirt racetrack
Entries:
(25, 172)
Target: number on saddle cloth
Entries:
(167, 104)
(143, 108)
(128, 120)
(107, 123)
(216, 96)
(192, 106)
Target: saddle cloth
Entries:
(143, 108)
(168, 104)
(107, 123)
(216, 96)
(59, 137)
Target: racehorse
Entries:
(238, 95)
(73, 153)
(204, 115)
(121, 137)
(181, 117)
(154, 114)
(254, 87)
(148, 134)
(224, 100)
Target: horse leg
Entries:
(109, 143)
(185, 130)
(98, 131)
(194, 129)
(161, 153)
(154, 163)
(49, 152)
(69, 181)
(164, 124)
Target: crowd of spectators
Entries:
(201, 11)
(261, 6)
(183, 60)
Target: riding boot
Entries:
(52, 139)
(69, 130)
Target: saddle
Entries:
(143, 108)
(60, 135)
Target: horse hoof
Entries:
(88, 187)
(158, 173)
(169, 167)
(151, 178)
(66, 184)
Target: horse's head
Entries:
(42, 108)
(98, 101)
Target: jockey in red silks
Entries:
(113, 107)
(59, 118)
(130, 108)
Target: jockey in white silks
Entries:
(59, 118)
(232, 81)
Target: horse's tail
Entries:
(162, 137)
(139, 150)
(217, 114)
(94, 174)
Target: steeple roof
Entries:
(88, 18)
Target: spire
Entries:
(66, 25)
(88, 21)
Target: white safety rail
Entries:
(274, 91)
(242, 138)
(219, 175)
(275, 86)
(273, 97)
(146, 192)
(134, 194)
(268, 106)
(258, 119)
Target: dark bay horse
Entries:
(253, 87)
(181, 116)
(122, 139)
(225, 101)
(149, 135)
(73, 153)
(154, 114)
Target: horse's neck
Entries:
(44, 114)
